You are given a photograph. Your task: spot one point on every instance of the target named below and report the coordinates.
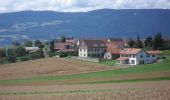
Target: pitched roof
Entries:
(113, 47)
(122, 58)
(115, 39)
(95, 43)
(155, 52)
(130, 51)
(60, 45)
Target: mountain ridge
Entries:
(123, 23)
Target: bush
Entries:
(63, 54)
(25, 58)
(11, 59)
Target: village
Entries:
(123, 51)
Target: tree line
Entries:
(150, 43)
(18, 52)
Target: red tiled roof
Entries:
(122, 58)
(130, 51)
(154, 52)
(92, 43)
(113, 48)
(60, 45)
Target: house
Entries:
(31, 49)
(64, 47)
(70, 40)
(114, 46)
(112, 51)
(92, 48)
(134, 56)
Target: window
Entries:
(153, 55)
(147, 55)
(84, 55)
(84, 50)
(133, 56)
(101, 44)
(141, 56)
(132, 61)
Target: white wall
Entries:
(83, 53)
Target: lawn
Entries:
(163, 66)
(166, 52)
(109, 62)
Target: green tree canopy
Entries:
(38, 43)
(28, 43)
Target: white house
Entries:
(92, 48)
(134, 56)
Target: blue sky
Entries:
(80, 5)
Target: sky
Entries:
(80, 5)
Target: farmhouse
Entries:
(114, 46)
(92, 48)
(64, 46)
(134, 56)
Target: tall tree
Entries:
(38, 43)
(138, 42)
(148, 41)
(158, 41)
(63, 39)
(131, 43)
(51, 46)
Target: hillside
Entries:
(99, 23)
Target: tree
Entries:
(38, 43)
(148, 42)
(19, 51)
(138, 43)
(2, 52)
(158, 41)
(131, 43)
(51, 46)
(38, 54)
(63, 39)
(28, 43)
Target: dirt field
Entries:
(158, 90)
(49, 67)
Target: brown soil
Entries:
(111, 86)
(49, 67)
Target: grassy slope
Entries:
(165, 65)
(110, 62)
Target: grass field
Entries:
(64, 79)
(110, 62)
(140, 69)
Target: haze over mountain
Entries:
(124, 23)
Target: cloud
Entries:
(80, 5)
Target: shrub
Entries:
(25, 58)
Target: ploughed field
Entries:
(63, 79)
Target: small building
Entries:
(64, 47)
(134, 56)
(31, 49)
(92, 48)
(114, 46)
(111, 52)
